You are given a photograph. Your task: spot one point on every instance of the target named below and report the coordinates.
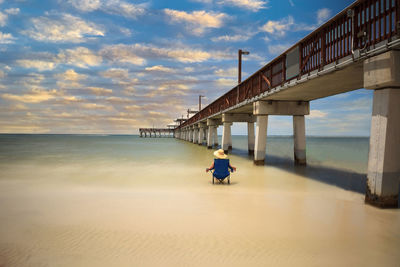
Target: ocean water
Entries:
(350, 153)
(338, 160)
(90, 200)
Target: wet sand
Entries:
(114, 215)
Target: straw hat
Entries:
(219, 154)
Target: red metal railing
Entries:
(374, 21)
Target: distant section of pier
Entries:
(156, 132)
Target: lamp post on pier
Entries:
(240, 53)
(200, 96)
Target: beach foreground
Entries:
(162, 212)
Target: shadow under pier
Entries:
(346, 179)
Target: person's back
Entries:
(221, 167)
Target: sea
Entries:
(122, 200)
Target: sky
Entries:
(113, 66)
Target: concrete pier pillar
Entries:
(226, 136)
(299, 139)
(191, 135)
(210, 133)
(215, 135)
(201, 133)
(195, 135)
(201, 136)
(261, 139)
(262, 109)
(382, 73)
(212, 137)
(250, 137)
(383, 177)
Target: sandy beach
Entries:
(90, 214)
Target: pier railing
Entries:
(360, 26)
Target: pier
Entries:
(156, 132)
(357, 48)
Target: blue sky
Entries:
(110, 67)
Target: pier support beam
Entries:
(195, 134)
(210, 137)
(201, 133)
(226, 137)
(191, 135)
(262, 109)
(299, 139)
(250, 137)
(215, 136)
(261, 139)
(382, 73)
(239, 117)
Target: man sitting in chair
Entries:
(221, 166)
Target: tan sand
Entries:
(109, 216)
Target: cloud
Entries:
(85, 5)
(115, 7)
(322, 15)
(12, 11)
(278, 28)
(197, 21)
(71, 75)
(232, 38)
(63, 28)
(231, 72)
(95, 106)
(100, 91)
(314, 113)
(123, 8)
(69, 79)
(81, 57)
(128, 53)
(125, 31)
(278, 48)
(6, 38)
(120, 100)
(122, 53)
(3, 19)
(133, 108)
(37, 64)
(188, 69)
(160, 68)
(2, 74)
(121, 77)
(35, 96)
(226, 82)
(115, 74)
(291, 3)
(253, 5)
(32, 80)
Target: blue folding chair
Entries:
(221, 170)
